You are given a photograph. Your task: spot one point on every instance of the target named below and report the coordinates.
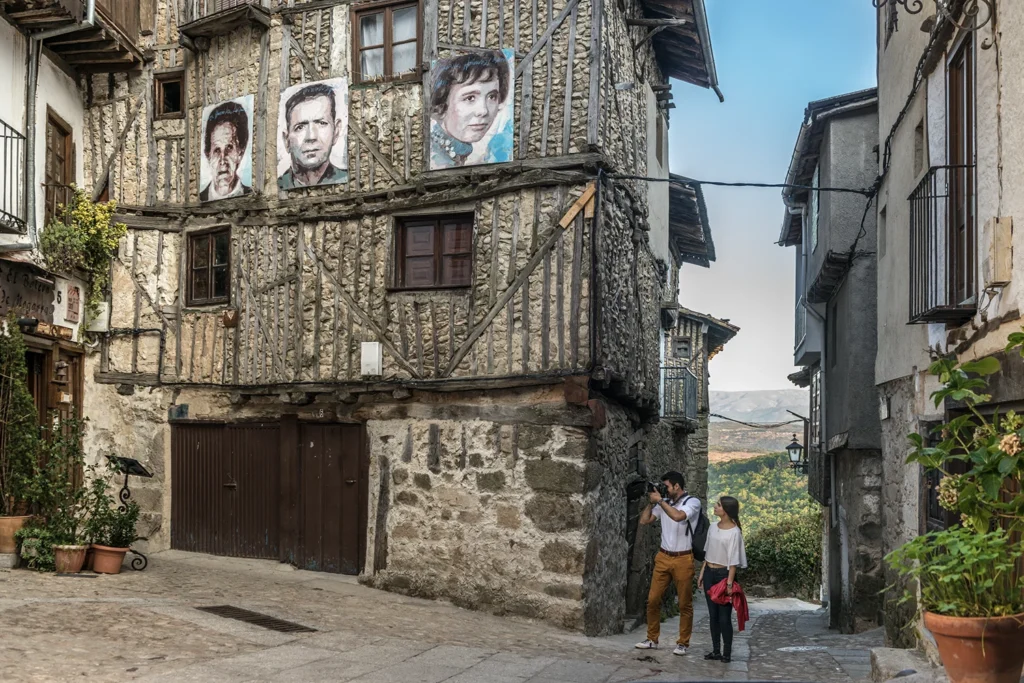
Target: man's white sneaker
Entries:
(647, 645)
(680, 650)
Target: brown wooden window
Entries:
(170, 91)
(434, 251)
(385, 41)
(209, 267)
(681, 348)
(961, 137)
(60, 164)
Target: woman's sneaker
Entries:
(680, 650)
(647, 645)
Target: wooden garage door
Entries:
(331, 500)
(225, 489)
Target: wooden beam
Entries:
(385, 164)
(533, 413)
(658, 22)
(101, 180)
(545, 37)
(577, 206)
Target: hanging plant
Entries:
(19, 431)
(85, 239)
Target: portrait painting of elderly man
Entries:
(471, 109)
(226, 167)
(312, 147)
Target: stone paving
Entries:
(145, 626)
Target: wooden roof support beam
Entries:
(658, 22)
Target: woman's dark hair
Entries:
(731, 506)
(231, 113)
(468, 68)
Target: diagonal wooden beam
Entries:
(521, 278)
(276, 360)
(385, 164)
(545, 37)
(360, 313)
(101, 180)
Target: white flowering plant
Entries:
(973, 569)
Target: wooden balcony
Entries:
(110, 45)
(203, 19)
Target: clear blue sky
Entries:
(773, 57)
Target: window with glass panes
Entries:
(385, 41)
(434, 251)
(209, 267)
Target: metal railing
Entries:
(800, 322)
(943, 246)
(198, 9)
(12, 171)
(57, 199)
(11, 179)
(680, 393)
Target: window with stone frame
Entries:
(385, 41)
(434, 252)
(209, 267)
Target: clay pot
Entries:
(107, 560)
(69, 558)
(8, 525)
(979, 650)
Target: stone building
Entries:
(949, 264)
(834, 238)
(436, 364)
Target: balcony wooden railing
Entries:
(679, 394)
(12, 207)
(200, 9)
(126, 16)
(943, 247)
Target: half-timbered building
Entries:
(432, 362)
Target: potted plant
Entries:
(62, 500)
(969, 577)
(111, 529)
(19, 435)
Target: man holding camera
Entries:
(674, 562)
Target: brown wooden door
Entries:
(331, 499)
(225, 489)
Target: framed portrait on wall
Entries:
(312, 144)
(225, 168)
(471, 109)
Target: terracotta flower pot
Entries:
(9, 525)
(979, 650)
(107, 560)
(69, 558)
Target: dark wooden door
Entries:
(331, 499)
(225, 489)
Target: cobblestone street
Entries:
(144, 626)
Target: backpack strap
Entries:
(689, 522)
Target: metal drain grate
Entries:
(257, 619)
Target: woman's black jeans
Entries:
(721, 615)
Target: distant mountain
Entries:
(730, 441)
(759, 406)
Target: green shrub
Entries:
(769, 491)
(37, 546)
(786, 556)
(19, 429)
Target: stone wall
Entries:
(901, 491)
(859, 496)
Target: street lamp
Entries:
(796, 460)
(971, 11)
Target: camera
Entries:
(659, 487)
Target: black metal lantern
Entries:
(796, 453)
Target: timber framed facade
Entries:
(278, 358)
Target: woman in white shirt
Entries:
(723, 554)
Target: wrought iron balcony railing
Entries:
(943, 247)
(679, 394)
(12, 172)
